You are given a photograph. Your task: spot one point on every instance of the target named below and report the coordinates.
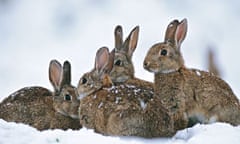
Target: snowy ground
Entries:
(218, 133)
(34, 32)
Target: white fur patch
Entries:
(168, 71)
(212, 119)
(118, 100)
(142, 103)
(100, 105)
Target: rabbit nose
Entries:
(145, 64)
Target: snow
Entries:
(219, 133)
(142, 104)
(110, 89)
(130, 86)
(116, 91)
(118, 99)
(82, 95)
(34, 32)
(136, 91)
(100, 105)
(198, 73)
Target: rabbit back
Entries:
(216, 97)
(34, 106)
(29, 105)
(126, 110)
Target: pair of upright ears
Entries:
(129, 45)
(104, 59)
(176, 32)
(59, 75)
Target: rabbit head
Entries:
(98, 77)
(166, 56)
(123, 67)
(65, 95)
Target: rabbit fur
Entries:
(123, 109)
(190, 95)
(43, 109)
(123, 68)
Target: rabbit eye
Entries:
(118, 63)
(84, 80)
(67, 97)
(163, 52)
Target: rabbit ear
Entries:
(66, 75)
(118, 33)
(101, 60)
(55, 74)
(110, 62)
(181, 32)
(170, 32)
(130, 43)
(212, 65)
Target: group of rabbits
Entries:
(112, 101)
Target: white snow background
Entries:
(34, 32)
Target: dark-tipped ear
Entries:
(130, 43)
(170, 32)
(66, 76)
(55, 74)
(101, 60)
(118, 34)
(181, 32)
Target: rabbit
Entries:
(43, 109)
(191, 96)
(119, 109)
(123, 69)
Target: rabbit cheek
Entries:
(73, 111)
(122, 69)
(71, 106)
(85, 90)
(119, 74)
(58, 106)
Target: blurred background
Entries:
(34, 32)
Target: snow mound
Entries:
(14, 133)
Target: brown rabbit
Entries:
(122, 109)
(190, 95)
(123, 69)
(42, 109)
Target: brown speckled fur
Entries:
(125, 109)
(123, 52)
(188, 93)
(36, 106)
